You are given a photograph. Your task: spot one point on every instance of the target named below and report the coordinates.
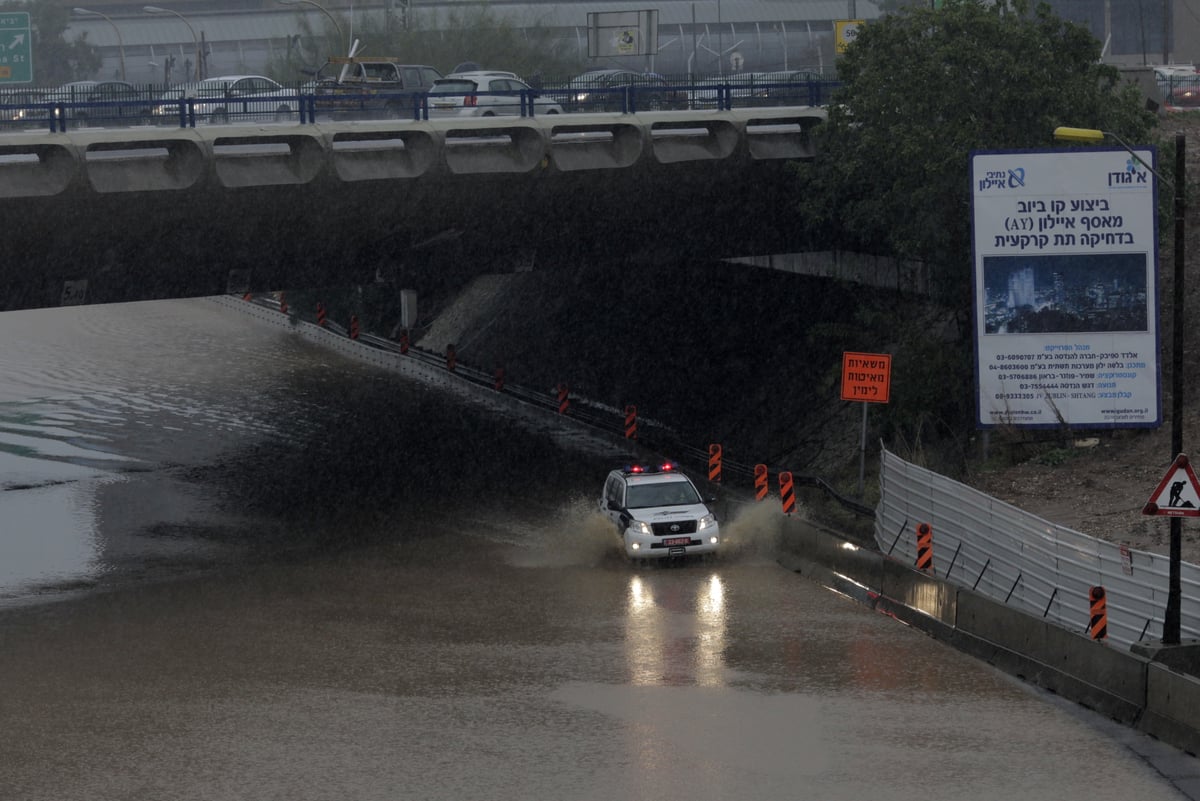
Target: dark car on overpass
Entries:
(622, 90)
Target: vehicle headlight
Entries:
(641, 528)
(581, 97)
(708, 521)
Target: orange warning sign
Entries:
(1178, 494)
(866, 377)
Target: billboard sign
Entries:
(1066, 289)
(622, 33)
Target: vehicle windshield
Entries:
(667, 493)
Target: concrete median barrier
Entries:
(1172, 708)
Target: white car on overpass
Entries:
(230, 98)
(486, 93)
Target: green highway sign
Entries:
(16, 48)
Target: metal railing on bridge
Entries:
(55, 111)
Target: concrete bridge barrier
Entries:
(148, 159)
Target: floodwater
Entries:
(235, 567)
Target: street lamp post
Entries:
(1171, 618)
(195, 39)
(320, 8)
(120, 44)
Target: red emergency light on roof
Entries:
(664, 467)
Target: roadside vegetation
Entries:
(922, 88)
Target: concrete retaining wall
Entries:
(1122, 685)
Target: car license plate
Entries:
(677, 541)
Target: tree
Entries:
(55, 60)
(921, 89)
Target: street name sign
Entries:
(16, 48)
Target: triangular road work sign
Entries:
(1178, 494)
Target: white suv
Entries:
(658, 512)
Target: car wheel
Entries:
(552, 111)
(219, 117)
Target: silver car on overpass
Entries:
(230, 98)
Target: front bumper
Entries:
(648, 546)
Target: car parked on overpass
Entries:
(486, 93)
(19, 107)
(107, 103)
(229, 98)
(623, 90)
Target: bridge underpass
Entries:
(99, 215)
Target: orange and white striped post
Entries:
(354, 326)
(714, 462)
(630, 422)
(451, 358)
(321, 315)
(283, 307)
(499, 383)
(404, 342)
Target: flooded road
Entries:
(238, 567)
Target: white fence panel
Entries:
(1020, 559)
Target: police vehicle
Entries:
(658, 512)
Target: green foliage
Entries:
(463, 33)
(921, 90)
(55, 60)
(1054, 456)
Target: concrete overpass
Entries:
(104, 215)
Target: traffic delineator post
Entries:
(760, 481)
(1098, 621)
(451, 358)
(404, 342)
(354, 326)
(787, 492)
(499, 383)
(925, 547)
(321, 315)
(714, 462)
(630, 422)
(283, 307)
(564, 398)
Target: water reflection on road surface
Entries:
(405, 598)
